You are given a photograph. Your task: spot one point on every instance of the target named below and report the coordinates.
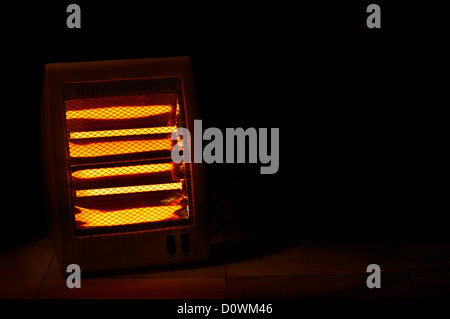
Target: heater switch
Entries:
(185, 243)
(170, 240)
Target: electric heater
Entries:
(116, 199)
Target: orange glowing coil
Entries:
(126, 132)
(128, 189)
(118, 147)
(94, 217)
(118, 112)
(122, 170)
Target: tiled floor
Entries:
(270, 266)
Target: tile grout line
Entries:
(43, 278)
(316, 275)
(408, 275)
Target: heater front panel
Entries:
(118, 142)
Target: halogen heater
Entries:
(115, 197)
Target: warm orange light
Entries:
(118, 147)
(122, 170)
(127, 132)
(118, 112)
(128, 189)
(94, 217)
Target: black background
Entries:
(358, 109)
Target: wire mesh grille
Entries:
(119, 146)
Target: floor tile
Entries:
(290, 256)
(27, 261)
(393, 286)
(425, 255)
(258, 266)
(432, 285)
(135, 288)
(53, 270)
(19, 288)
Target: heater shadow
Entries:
(255, 248)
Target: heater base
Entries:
(124, 251)
(116, 198)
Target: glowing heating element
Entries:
(122, 170)
(94, 217)
(118, 147)
(122, 173)
(128, 189)
(127, 132)
(118, 112)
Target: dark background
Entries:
(358, 109)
